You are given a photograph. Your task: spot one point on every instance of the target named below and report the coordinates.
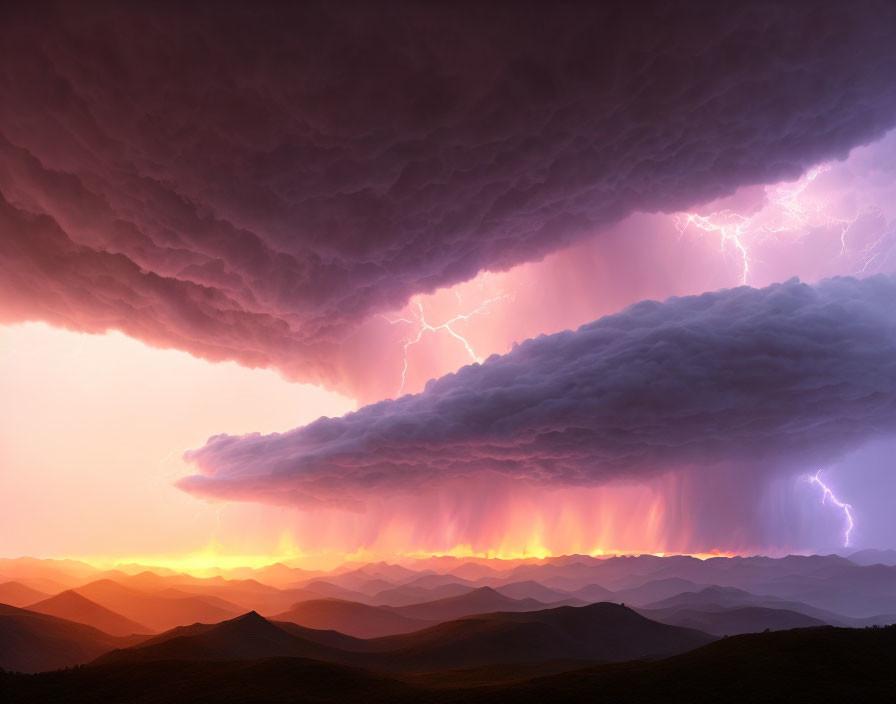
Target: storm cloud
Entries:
(250, 182)
(762, 380)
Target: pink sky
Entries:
(93, 436)
(93, 431)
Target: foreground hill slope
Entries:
(814, 665)
(175, 682)
(33, 642)
(824, 664)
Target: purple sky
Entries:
(366, 197)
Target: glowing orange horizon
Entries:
(210, 563)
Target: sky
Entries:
(544, 299)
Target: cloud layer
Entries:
(761, 380)
(249, 184)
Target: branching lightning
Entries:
(731, 227)
(828, 494)
(420, 322)
(788, 210)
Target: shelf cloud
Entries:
(758, 380)
(251, 183)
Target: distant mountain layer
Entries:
(479, 601)
(874, 557)
(734, 621)
(18, 594)
(806, 665)
(600, 632)
(72, 606)
(351, 618)
(158, 609)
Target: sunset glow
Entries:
(447, 352)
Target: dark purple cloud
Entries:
(248, 181)
(760, 379)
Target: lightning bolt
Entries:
(828, 494)
(788, 210)
(731, 227)
(423, 326)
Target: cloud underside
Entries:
(768, 380)
(249, 184)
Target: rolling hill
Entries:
(479, 601)
(18, 594)
(729, 622)
(654, 590)
(815, 665)
(408, 594)
(159, 610)
(33, 642)
(529, 589)
(247, 637)
(603, 632)
(716, 598)
(807, 665)
(592, 593)
(351, 618)
(74, 607)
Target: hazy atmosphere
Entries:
(435, 310)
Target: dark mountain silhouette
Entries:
(479, 601)
(182, 682)
(157, 610)
(805, 665)
(18, 594)
(745, 619)
(328, 638)
(604, 632)
(351, 618)
(246, 637)
(814, 665)
(32, 642)
(74, 607)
